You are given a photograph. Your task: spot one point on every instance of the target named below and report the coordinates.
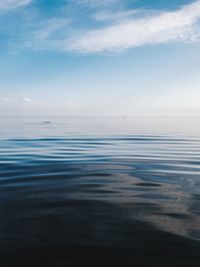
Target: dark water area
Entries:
(99, 191)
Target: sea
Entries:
(99, 191)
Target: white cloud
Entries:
(169, 26)
(71, 104)
(47, 33)
(47, 28)
(29, 101)
(116, 31)
(116, 16)
(99, 3)
(10, 4)
(19, 101)
(8, 100)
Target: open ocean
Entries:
(97, 191)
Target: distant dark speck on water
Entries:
(47, 122)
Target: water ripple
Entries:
(114, 190)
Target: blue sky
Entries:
(92, 57)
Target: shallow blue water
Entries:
(100, 191)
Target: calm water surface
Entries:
(99, 191)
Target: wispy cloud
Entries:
(47, 33)
(71, 104)
(24, 100)
(52, 26)
(8, 100)
(99, 3)
(174, 26)
(110, 27)
(10, 4)
(27, 101)
(117, 16)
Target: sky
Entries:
(99, 57)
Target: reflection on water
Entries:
(99, 191)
